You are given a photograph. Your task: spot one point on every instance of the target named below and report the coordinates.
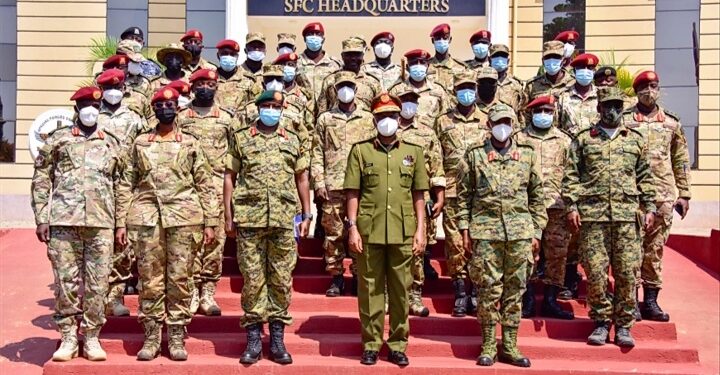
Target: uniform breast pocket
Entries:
(594, 157)
(73, 156)
(659, 143)
(370, 177)
(183, 160)
(290, 156)
(483, 186)
(631, 154)
(144, 159)
(406, 176)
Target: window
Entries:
(207, 16)
(122, 14)
(561, 15)
(8, 79)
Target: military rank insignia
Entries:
(408, 160)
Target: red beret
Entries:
(313, 26)
(542, 100)
(568, 36)
(384, 34)
(228, 43)
(204, 74)
(442, 29)
(192, 33)
(417, 54)
(386, 103)
(87, 93)
(115, 60)
(282, 59)
(646, 76)
(182, 87)
(481, 35)
(111, 77)
(587, 59)
(165, 93)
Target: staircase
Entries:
(325, 337)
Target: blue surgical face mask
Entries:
(314, 42)
(270, 116)
(418, 72)
(256, 55)
(584, 76)
(552, 66)
(441, 45)
(480, 50)
(466, 97)
(289, 73)
(499, 63)
(542, 120)
(228, 63)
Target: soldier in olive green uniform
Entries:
(337, 131)
(236, 87)
(385, 171)
(164, 199)
(382, 68)
(607, 180)
(510, 88)
(314, 63)
(670, 167)
(480, 44)
(73, 201)
(192, 42)
(270, 170)
(501, 214)
(174, 58)
(554, 79)
(443, 67)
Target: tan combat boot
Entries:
(68, 344)
(415, 301)
(92, 349)
(510, 353)
(207, 300)
(115, 304)
(176, 342)
(151, 346)
(194, 298)
(489, 346)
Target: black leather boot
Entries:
(278, 353)
(528, 301)
(472, 301)
(651, 310)
(550, 307)
(337, 286)
(354, 286)
(460, 308)
(572, 281)
(253, 351)
(637, 313)
(430, 273)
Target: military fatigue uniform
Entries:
(432, 103)
(263, 203)
(165, 196)
(386, 222)
(315, 73)
(476, 65)
(202, 64)
(367, 88)
(510, 91)
(670, 168)
(387, 76)
(607, 181)
(444, 72)
(238, 90)
(72, 191)
(336, 134)
(455, 133)
(301, 104)
(576, 112)
(298, 123)
(540, 85)
(162, 80)
(139, 84)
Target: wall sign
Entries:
(367, 8)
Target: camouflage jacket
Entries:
(500, 197)
(124, 123)
(387, 76)
(298, 123)
(139, 84)
(443, 73)
(476, 65)
(575, 112)
(367, 88)
(608, 180)
(424, 136)
(540, 85)
(74, 179)
(202, 64)
(315, 73)
(433, 101)
(510, 91)
(238, 90)
(162, 80)
(265, 195)
(167, 181)
(299, 101)
(667, 150)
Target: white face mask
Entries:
(134, 69)
(501, 132)
(568, 50)
(387, 126)
(113, 96)
(88, 116)
(409, 109)
(256, 55)
(346, 94)
(284, 50)
(183, 101)
(383, 50)
(274, 85)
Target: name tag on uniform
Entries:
(367, 165)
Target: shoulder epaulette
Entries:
(671, 114)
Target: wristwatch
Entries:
(349, 224)
(307, 216)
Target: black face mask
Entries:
(173, 63)
(205, 94)
(486, 91)
(194, 49)
(165, 115)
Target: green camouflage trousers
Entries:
(416, 265)
(266, 257)
(653, 245)
(605, 245)
(80, 255)
(499, 270)
(555, 241)
(454, 251)
(208, 263)
(333, 222)
(165, 258)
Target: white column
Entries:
(498, 14)
(236, 22)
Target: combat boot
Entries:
(460, 308)
(68, 344)
(472, 301)
(651, 310)
(151, 345)
(253, 351)
(115, 306)
(510, 353)
(416, 305)
(599, 335)
(572, 282)
(207, 300)
(623, 338)
(337, 286)
(92, 349)
(488, 355)
(637, 313)
(194, 298)
(354, 286)
(430, 273)
(528, 301)
(278, 352)
(550, 307)
(176, 342)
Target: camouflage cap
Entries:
(553, 47)
(272, 70)
(354, 44)
(174, 48)
(405, 88)
(345, 76)
(467, 76)
(286, 38)
(499, 48)
(131, 49)
(255, 37)
(610, 93)
(501, 111)
(487, 72)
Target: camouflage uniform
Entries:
(72, 191)
(444, 72)
(510, 91)
(387, 76)
(301, 105)
(290, 119)
(162, 80)
(540, 85)
(607, 181)
(337, 132)
(315, 73)
(476, 65)
(237, 91)
(367, 88)
(139, 84)
(202, 64)
(670, 168)
(432, 103)
(263, 203)
(576, 112)
(165, 196)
